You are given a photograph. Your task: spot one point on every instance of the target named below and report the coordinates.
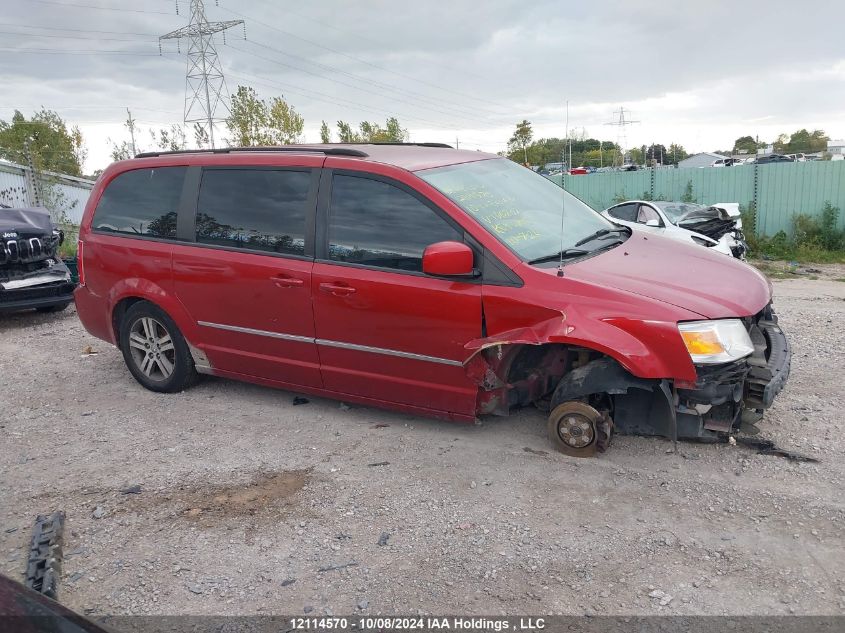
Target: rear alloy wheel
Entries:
(575, 428)
(154, 349)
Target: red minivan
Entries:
(421, 278)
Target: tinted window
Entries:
(627, 212)
(375, 223)
(142, 202)
(258, 209)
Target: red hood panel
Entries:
(688, 276)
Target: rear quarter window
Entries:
(141, 202)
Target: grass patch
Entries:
(814, 239)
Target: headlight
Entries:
(710, 342)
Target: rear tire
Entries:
(56, 308)
(155, 350)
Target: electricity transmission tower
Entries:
(621, 136)
(205, 87)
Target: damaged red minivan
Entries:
(421, 278)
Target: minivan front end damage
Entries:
(516, 373)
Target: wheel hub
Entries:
(579, 430)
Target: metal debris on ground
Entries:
(297, 400)
(768, 447)
(385, 536)
(342, 566)
(288, 581)
(379, 464)
(44, 565)
(132, 490)
(534, 451)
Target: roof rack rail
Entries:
(332, 151)
(444, 145)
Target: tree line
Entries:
(253, 121)
(53, 145)
(585, 151)
(591, 152)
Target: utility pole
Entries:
(31, 177)
(205, 86)
(131, 124)
(569, 161)
(457, 144)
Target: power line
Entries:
(342, 83)
(56, 28)
(76, 51)
(457, 111)
(339, 101)
(93, 6)
(364, 61)
(72, 37)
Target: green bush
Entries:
(814, 238)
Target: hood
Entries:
(686, 276)
(25, 221)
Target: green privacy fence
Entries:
(778, 191)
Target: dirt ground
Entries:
(251, 505)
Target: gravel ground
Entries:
(252, 505)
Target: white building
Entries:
(836, 149)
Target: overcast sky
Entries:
(700, 73)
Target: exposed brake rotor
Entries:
(577, 429)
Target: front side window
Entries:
(374, 223)
(255, 209)
(627, 212)
(519, 207)
(141, 202)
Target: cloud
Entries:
(694, 73)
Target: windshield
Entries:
(676, 210)
(519, 207)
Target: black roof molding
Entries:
(336, 149)
(330, 151)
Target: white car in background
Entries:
(717, 226)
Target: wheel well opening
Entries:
(119, 311)
(518, 375)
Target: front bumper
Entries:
(715, 403)
(722, 392)
(770, 369)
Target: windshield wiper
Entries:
(601, 233)
(566, 254)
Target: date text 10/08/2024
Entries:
(417, 623)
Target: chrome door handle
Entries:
(338, 291)
(287, 282)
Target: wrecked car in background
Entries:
(717, 226)
(424, 279)
(32, 274)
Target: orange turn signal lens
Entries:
(702, 343)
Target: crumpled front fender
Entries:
(646, 349)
